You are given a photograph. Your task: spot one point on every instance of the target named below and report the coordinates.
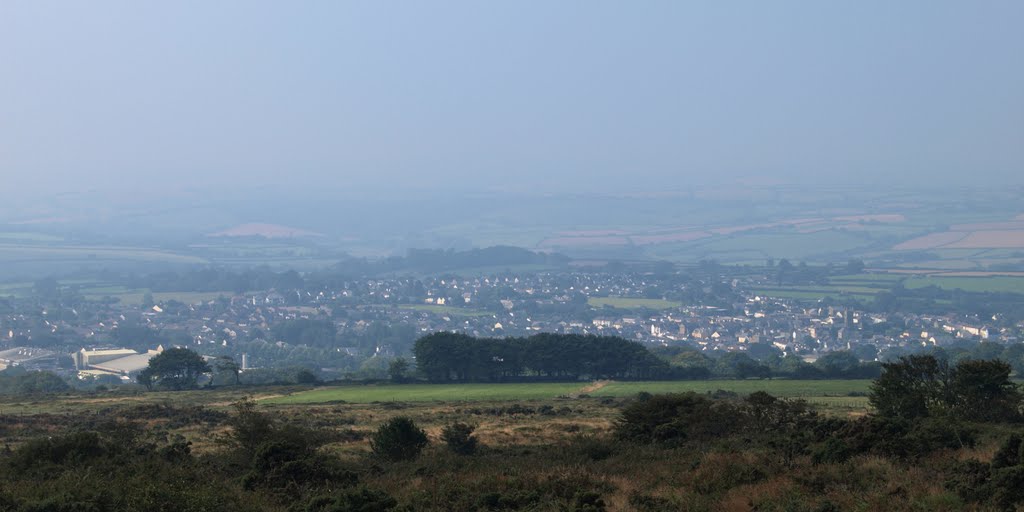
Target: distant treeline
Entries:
(455, 357)
(15, 381)
(446, 356)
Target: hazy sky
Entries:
(520, 94)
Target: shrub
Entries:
(306, 377)
(675, 418)
(921, 385)
(517, 500)
(588, 502)
(66, 449)
(969, 479)
(1008, 487)
(1000, 483)
(591, 447)
(648, 503)
(288, 465)
(1009, 454)
(249, 427)
(398, 439)
(894, 437)
(459, 438)
(356, 500)
(832, 451)
(764, 413)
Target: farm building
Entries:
(120, 361)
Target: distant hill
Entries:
(264, 231)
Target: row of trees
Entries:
(922, 386)
(447, 356)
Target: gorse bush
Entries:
(398, 439)
(675, 418)
(459, 438)
(690, 417)
(356, 500)
(1000, 482)
(893, 437)
(66, 449)
(282, 460)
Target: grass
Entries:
(796, 294)
(444, 310)
(73, 253)
(827, 289)
(777, 387)
(631, 303)
(1007, 284)
(783, 244)
(874, 279)
(134, 297)
(867, 285)
(430, 392)
(809, 389)
(29, 237)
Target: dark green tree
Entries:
(983, 391)
(459, 438)
(923, 385)
(398, 369)
(398, 439)
(912, 387)
(839, 364)
(226, 364)
(305, 376)
(855, 266)
(174, 368)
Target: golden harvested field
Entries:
(1013, 226)
(996, 239)
(930, 241)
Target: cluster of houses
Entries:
(504, 305)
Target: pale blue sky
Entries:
(526, 94)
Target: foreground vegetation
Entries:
(927, 446)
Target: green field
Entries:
(1010, 284)
(779, 243)
(865, 286)
(430, 392)
(631, 303)
(812, 390)
(29, 237)
(444, 310)
(823, 290)
(135, 297)
(777, 387)
(58, 253)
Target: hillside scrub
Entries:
(648, 452)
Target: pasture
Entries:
(777, 387)
(429, 393)
(632, 303)
(1006, 284)
(822, 392)
(444, 310)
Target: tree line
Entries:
(447, 356)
